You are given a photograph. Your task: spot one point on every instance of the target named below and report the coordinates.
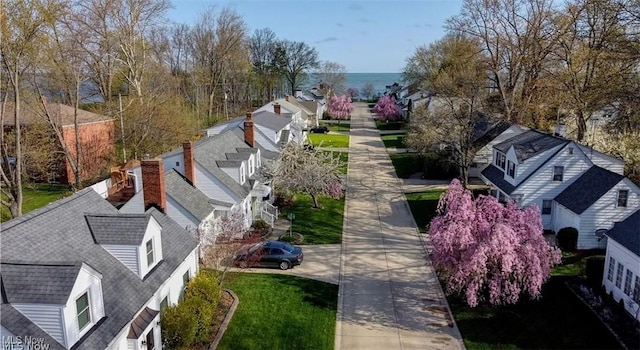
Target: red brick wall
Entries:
(96, 145)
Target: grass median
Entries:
(318, 226)
(329, 140)
(281, 312)
(394, 140)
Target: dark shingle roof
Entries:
(114, 229)
(587, 189)
(273, 121)
(39, 283)
(627, 233)
(189, 197)
(59, 232)
(530, 143)
(496, 176)
(485, 133)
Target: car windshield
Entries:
(288, 248)
(255, 247)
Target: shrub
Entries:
(594, 269)
(568, 239)
(260, 227)
(179, 325)
(204, 311)
(325, 115)
(285, 199)
(204, 285)
(287, 238)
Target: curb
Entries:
(226, 321)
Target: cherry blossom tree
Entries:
(387, 109)
(488, 251)
(307, 170)
(340, 107)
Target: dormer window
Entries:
(150, 257)
(511, 170)
(83, 311)
(623, 196)
(242, 174)
(558, 173)
(251, 166)
(500, 160)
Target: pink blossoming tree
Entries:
(387, 109)
(340, 107)
(488, 251)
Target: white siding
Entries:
(102, 188)
(88, 281)
(135, 205)
(47, 317)
(180, 215)
(602, 160)
(153, 232)
(530, 165)
(484, 156)
(604, 212)
(541, 185)
(511, 157)
(264, 139)
(171, 161)
(564, 217)
(233, 172)
(213, 188)
(126, 254)
(631, 262)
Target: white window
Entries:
(623, 196)
(546, 206)
(627, 282)
(619, 275)
(251, 167)
(150, 257)
(83, 311)
(500, 160)
(185, 282)
(612, 266)
(511, 169)
(558, 173)
(242, 175)
(164, 303)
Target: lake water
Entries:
(379, 80)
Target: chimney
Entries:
(249, 136)
(153, 184)
(189, 162)
(276, 108)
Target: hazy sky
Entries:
(372, 36)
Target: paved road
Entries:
(389, 295)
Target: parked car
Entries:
(319, 129)
(269, 254)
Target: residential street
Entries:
(389, 295)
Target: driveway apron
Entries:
(389, 296)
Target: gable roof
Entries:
(627, 233)
(190, 198)
(485, 133)
(59, 232)
(269, 120)
(587, 189)
(39, 283)
(293, 101)
(310, 105)
(530, 143)
(118, 228)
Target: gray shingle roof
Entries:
(59, 232)
(210, 150)
(587, 189)
(530, 143)
(229, 163)
(114, 229)
(627, 233)
(273, 121)
(38, 284)
(485, 133)
(189, 197)
(496, 176)
(238, 156)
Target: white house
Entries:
(486, 139)
(622, 265)
(77, 274)
(592, 204)
(299, 121)
(535, 168)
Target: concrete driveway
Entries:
(321, 262)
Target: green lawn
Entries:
(318, 226)
(36, 196)
(344, 157)
(423, 206)
(394, 140)
(281, 312)
(406, 164)
(342, 127)
(383, 125)
(329, 140)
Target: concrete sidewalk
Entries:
(390, 297)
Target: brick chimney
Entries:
(153, 184)
(189, 162)
(276, 108)
(249, 133)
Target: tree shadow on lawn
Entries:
(318, 226)
(556, 321)
(318, 294)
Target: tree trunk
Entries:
(582, 125)
(464, 176)
(315, 200)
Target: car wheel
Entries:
(284, 265)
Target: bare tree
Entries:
(368, 90)
(298, 59)
(333, 77)
(267, 61)
(454, 70)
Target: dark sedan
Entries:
(269, 254)
(319, 130)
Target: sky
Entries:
(372, 36)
